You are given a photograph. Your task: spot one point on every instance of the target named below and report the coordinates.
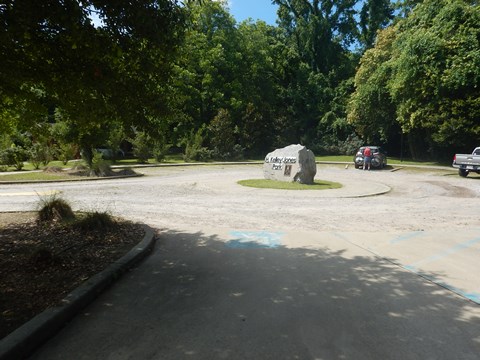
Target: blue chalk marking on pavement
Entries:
(254, 239)
(448, 252)
(406, 237)
(472, 296)
(411, 268)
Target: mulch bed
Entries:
(41, 263)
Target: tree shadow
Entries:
(196, 297)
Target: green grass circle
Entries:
(283, 185)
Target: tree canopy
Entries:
(331, 74)
(423, 75)
(55, 56)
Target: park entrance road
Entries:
(243, 273)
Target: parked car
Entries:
(379, 157)
(467, 163)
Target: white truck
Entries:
(467, 163)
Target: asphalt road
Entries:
(244, 273)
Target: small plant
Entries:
(66, 152)
(53, 209)
(96, 221)
(13, 156)
(160, 150)
(194, 150)
(100, 166)
(141, 146)
(39, 154)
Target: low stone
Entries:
(291, 163)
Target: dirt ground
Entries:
(40, 264)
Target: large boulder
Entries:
(292, 163)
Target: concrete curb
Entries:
(26, 339)
(386, 189)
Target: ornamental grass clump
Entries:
(54, 209)
(96, 221)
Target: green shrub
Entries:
(160, 150)
(141, 146)
(40, 154)
(54, 209)
(234, 154)
(99, 166)
(13, 156)
(66, 152)
(194, 149)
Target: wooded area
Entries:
(164, 74)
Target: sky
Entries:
(255, 9)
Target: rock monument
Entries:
(292, 163)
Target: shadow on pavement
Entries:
(197, 298)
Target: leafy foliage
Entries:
(99, 166)
(423, 77)
(13, 156)
(141, 146)
(54, 56)
(186, 74)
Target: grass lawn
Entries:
(36, 176)
(283, 185)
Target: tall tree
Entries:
(371, 108)
(322, 29)
(207, 68)
(53, 55)
(436, 79)
(428, 71)
(374, 16)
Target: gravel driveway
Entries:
(345, 273)
(196, 197)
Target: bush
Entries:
(40, 154)
(100, 166)
(54, 209)
(66, 152)
(333, 146)
(194, 150)
(160, 150)
(141, 146)
(13, 156)
(235, 154)
(96, 221)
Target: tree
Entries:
(374, 15)
(436, 77)
(322, 29)
(206, 72)
(53, 56)
(425, 74)
(371, 109)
